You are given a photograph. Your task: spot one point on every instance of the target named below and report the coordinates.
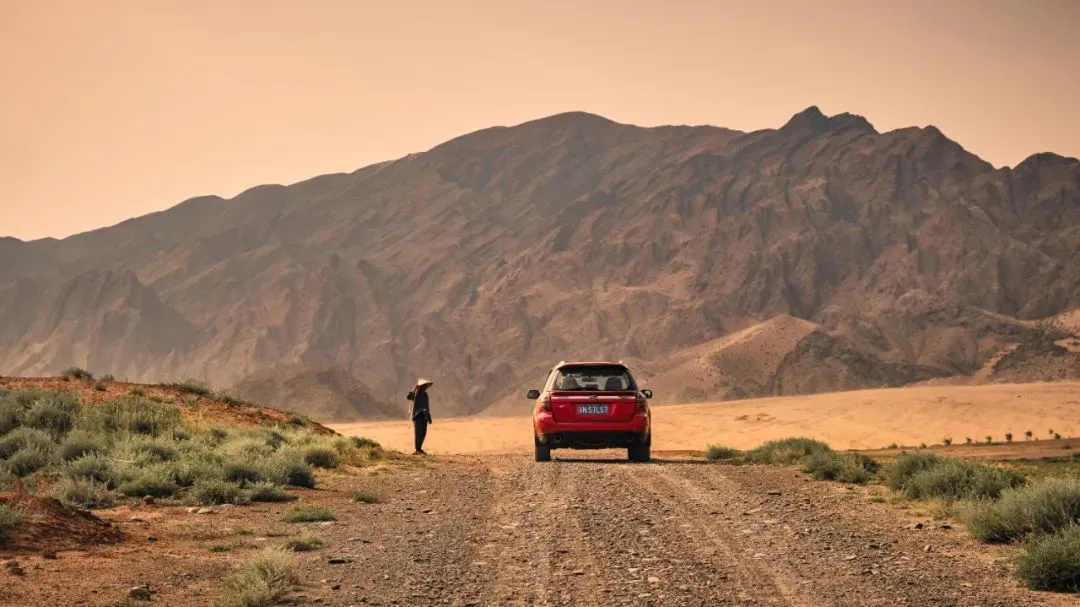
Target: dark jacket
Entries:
(420, 409)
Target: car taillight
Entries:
(545, 403)
(642, 403)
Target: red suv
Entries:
(592, 405)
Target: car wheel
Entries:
(543, 452)
(640, 452)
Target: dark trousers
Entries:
(419, 432)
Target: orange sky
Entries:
(116, 108)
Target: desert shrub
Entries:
(786, 451)
(242, 472)
(1044, 506)
(191, 387)
(11, 413)
(956, 479)
(290, 469)
(721, 453)
(214, 492)
(77, 373)
(22, 438)
(80, 443)
(94, 467)
(306, 513)
(1052, 562)
(360, 443)
(82, 493)
(265, 578)
(28, 460)
(144, 451)
(53, 413)
(321, 457)
(195, 467)
(304, 543)
(848, 468)
(155, 481)
(134, 414)
(10, 518)
(908, 465)
(268, 492)
(362, 497)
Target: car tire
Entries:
(543, 452)
(640, 452)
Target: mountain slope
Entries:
(323, 393)
(486, 259)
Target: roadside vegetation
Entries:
(94, 455)
(1037, 509)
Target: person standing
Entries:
(420, 413)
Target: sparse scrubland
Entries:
(94, 455)
(998, 504)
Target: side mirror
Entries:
(647, 393)
(532, 394)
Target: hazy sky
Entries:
(111, 108)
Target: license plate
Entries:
(592, 409)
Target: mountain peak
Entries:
(813, 120)
(574, 119)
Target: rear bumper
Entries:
(591, 435)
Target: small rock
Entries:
(917, 526)
(49, 555)
(653, 580)
(151, 538)
(579, 572)
(927, 548)
(14, 568)
(139, 593)
(773, 492)
(850, 557)
(428, 511)
(148, 500)
(192, 510)
(335, 587)
(337, 560)
(945, 526)
(204, 511)
(136, 519)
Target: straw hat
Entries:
(423, 383)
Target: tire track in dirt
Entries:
(753, 582)
(838, 550)
(537, 557)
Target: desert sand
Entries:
(862, 419)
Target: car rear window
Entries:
(594, 377)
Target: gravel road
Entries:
(504, 530)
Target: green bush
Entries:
(77, 373)
(242, 473)
(94, 467)
(11, 413)
(908, 465)
(191, 387)
(1044, 506)
(10, 518)
(264, 579)
(321, 457)
(22, 438)
(304, 543)
(291, 470)
(1052, 562)
(957, 479)
(156, 481)
(53, 413)
(306, 513)
(134, 414)
(80, 443)
(361, 497)
(365, 443)
(83, 493)
(215, 492)
(787, 451)
(269, 492)
(848, 468)
(720, 453)
(28, 460)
